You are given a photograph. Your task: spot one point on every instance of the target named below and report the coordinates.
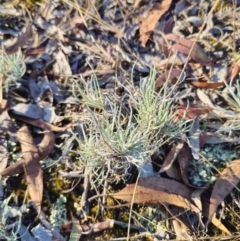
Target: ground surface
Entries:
(119, 120)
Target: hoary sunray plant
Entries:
(115, 139)
(90, 93)
(231, 94)
(109, 147)
(156, 111)
(12, 66)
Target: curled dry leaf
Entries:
(184, 159)
(149, 24)
(174, 172)
(229, 178)
(170, 158)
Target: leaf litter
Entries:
(108, 49)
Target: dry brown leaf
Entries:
(184, 159)
(136, 3)
(185, 45)
(174, 172)
(206, 85)
(170, 158)
(35, 51)
(168, 75)
(181, 231)
(235, 70)
(214, 220)
(21, 40)
(150, 196)
(219, 225)
(14, 169)
(165, 185)
(157, 189)
(41, 123)
(192, 111)
(31, 166)
(30, 163)
(179, 214)
(216, 138)
(6, 126)
(149, 24)
(229, 178)
(196, 197)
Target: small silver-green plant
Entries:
(110, 146)
(119, 136)
(231, 94)
(156, 112)
(12, 66)
(90, 92)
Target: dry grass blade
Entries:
(229, 178)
